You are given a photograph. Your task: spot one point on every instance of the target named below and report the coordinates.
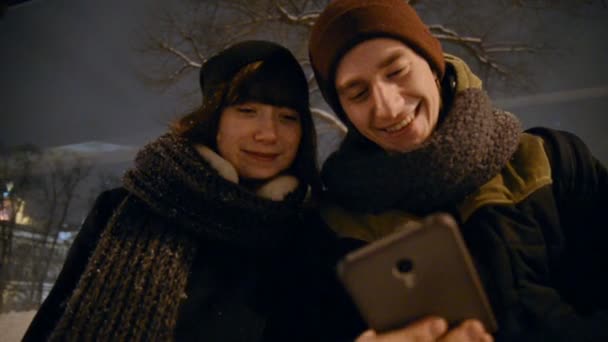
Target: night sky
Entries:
(68, 74)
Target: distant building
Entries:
(33, 245)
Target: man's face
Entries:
(389, 93)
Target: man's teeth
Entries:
(400, 125)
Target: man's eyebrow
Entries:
(389, 60)
(349, 85)
(382, 64)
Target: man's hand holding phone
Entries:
(431, 329)
(400, 282)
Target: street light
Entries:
(5, 203)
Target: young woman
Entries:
(207, 239)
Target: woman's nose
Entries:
(266, 130)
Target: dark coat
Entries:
(542, 259)
(233, 294)
(541, 253)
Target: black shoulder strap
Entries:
(557, 153)
(573, 169)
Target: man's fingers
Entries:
(367, 336)
(429, 329)
(469, 331)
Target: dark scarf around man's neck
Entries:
(136, 277)
(472, 143)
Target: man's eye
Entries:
(359, 96)
(395, 73)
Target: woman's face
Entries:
(259, 140)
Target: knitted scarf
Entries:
(472, 143)
(136, 277)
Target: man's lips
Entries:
(402, 124)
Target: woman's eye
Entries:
(246, 110)
(289, 117)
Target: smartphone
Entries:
(419, 271)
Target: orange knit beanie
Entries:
(345, 23)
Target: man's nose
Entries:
(388, 102)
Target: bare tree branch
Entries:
(306, 19)
(478, 49)
(289, 21)
(181, 55)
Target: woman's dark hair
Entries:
(270, 81)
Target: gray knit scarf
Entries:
(136, 278)
(472, 143)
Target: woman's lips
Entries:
(262, 156)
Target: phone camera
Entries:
(404, 265)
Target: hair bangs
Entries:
(269, 84)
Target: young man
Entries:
(423, 137)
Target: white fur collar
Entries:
(276, 189)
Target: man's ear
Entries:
(439, 89)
